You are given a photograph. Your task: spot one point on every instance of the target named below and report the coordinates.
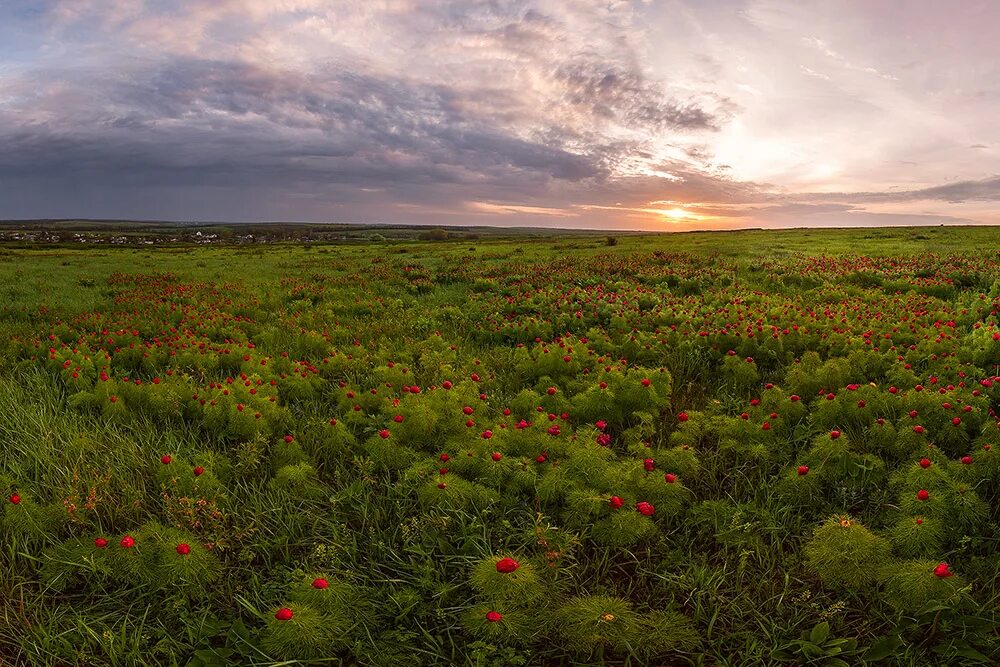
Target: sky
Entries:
(607, 114)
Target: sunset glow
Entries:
(678, 214)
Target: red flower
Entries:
(925, 463)
(183, 549)
(942, 570)
(834, 435)
(198, 471)
(487, 435)
(615, 502)
(496, 456)
(682, 417)
(284, 614)
(165, 459)
(289, 439)
(100, 542)
(803, 470)
(644, 508)
(127, 542)
(493, 616)
(966, 460)
(320, 583)
(384, 433)
(670, 478)
(648, 464)
(645, 382)
(507, 565)
(16, 499)
(923, 495)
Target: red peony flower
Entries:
(644, 508)
(925, 463)
(923, 495)
(15, 499)
(943, 571)
(319, 583)
(284, 614)
(615, 502)
(100, 542)
(127, 542)
(198, 471)
(165, 459)
(183, 549)
(507, 565)
(803, 470)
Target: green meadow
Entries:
(679, 449)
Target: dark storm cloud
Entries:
(623, 95)
(191, 120)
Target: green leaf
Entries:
(820, 633)
(836, 662)
(781, 654)
(882, 648)
(811, 650)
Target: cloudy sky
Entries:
(652, 114)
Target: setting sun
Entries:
(677, 214)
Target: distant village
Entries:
(140, 238)
(71, 232)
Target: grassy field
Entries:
(691, 449)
